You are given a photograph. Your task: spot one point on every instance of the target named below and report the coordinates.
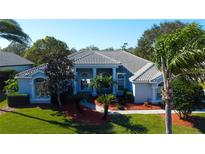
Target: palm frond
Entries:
(11, 30)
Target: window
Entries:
(84, 81)
(85, 84)
(121, 81)
(41, 87)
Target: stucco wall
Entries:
(142, 92)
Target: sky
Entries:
(83, 32)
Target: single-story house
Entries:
(12, 62)
(130, 72)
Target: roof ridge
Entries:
(135, 56)
(74, 54)
(141, 71)
(107, 57)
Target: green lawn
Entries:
(47, 121)
(3, 104)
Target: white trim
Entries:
(96, 66)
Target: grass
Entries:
(47, 121)
(3, 104)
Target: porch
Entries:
(84, 75)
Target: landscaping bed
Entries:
(192, 122)
(86, 116)
(129, 106)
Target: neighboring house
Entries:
(129, 71)
(12, 62)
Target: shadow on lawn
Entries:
(198, 123)
(125, 121)
(106, 128)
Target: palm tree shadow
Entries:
(125, 121)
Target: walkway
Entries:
(6, 109)
(100, 109)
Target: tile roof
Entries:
(11, 59)
(149, 75)
(28, 73)
(92, 57)
(142, 70)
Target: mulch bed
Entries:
(129, 106)
(87, 116)
(191, 122)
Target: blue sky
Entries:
(82, 33)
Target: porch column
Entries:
(114, 89)
(94, 93)
(75, 82)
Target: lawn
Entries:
(3, 104)
(47, 121)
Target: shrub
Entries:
(11, 85)
(187, 96)
(16, 100)
(128, 96)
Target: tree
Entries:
(108, 49)
(11, 31)
(90, 48)
(187, 96)
(106, 100)
(124, 46)
(145, 45)
(41, 49)
(16, 48)
(59, 72)
(174, 55)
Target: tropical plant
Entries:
(187, 96)
(179, 53)
(11, 31)
(59, 72)
(102, 84)
(106, 100)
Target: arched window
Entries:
(41, 87)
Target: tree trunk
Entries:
(59, 99)
(168, 119)
(105, 112)
(166, 95)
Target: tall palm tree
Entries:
(181, 53)
(11, 31)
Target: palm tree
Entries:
(11, 31)
(106, 100)
(180, 53)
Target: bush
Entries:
(128, 97)
(16, 100)
(11, 85)
(187, 96)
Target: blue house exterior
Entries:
(138, 75)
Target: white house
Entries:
(131, 72)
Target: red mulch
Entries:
(129, 106)
(87, 116)
(177, 121)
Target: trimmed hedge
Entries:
(15, 100)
